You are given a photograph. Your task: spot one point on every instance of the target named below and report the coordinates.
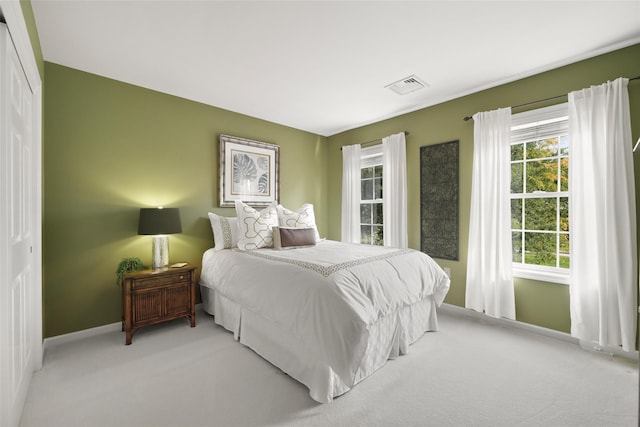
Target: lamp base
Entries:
(160, 252)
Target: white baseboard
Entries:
(86, 333)
(78, 335)
(563, 336)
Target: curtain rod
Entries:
(406, 133)
(466, 119)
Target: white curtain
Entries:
(489, 270)
(351, 193)
(603, 216)
(394, 191)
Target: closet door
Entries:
(16, 236)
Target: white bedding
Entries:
(344, 308)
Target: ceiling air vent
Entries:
(406, 85)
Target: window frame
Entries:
(370, 157)
(522, 125)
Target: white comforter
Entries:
(328, 295)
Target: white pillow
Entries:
(254, 226)
(225, 231)
(302, 218)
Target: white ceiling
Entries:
(323, 66)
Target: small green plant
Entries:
(127, 265)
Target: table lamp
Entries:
(158, 222)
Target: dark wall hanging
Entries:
(439, 200)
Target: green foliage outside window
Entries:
(539, 204)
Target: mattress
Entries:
(330, 315)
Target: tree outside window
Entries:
(540, 202)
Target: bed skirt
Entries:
(388, 338)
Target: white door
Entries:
(16, 237)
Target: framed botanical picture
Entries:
(249, 171)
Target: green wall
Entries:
(539, 303)
(111, 148)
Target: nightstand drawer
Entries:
(165, 279)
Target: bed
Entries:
(328, 315)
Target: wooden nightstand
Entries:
(154, 296)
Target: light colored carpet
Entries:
(469, 373)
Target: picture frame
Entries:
(249, 171)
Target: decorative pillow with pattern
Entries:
(254, 227)
(302, 218)
(225, 231)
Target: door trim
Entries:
(12, 12)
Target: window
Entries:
(540, 194)
(371, 225)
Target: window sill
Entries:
(545, 275)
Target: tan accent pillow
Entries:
(291, 238)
